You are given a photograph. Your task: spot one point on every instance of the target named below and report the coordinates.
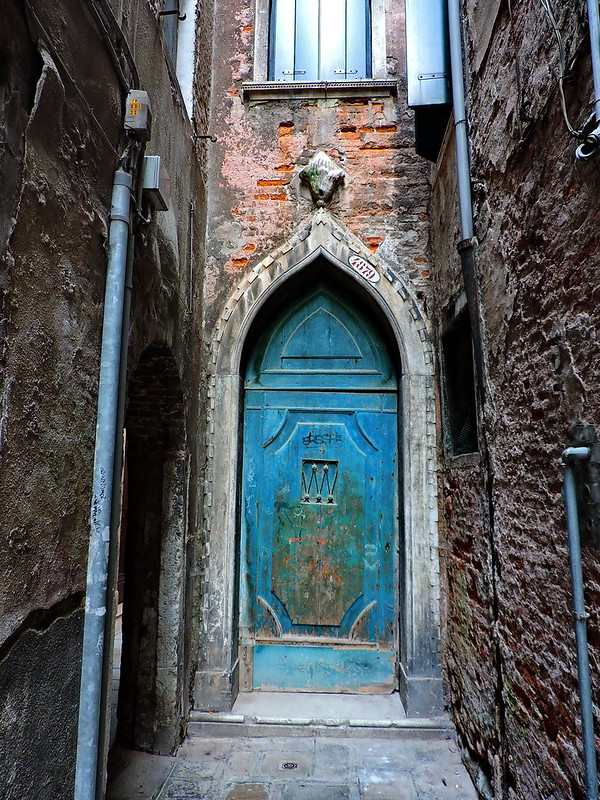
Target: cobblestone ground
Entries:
(299, 769)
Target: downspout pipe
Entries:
(466, 246)
(590, 146)
(116, 512)
(569, 457)
(594, 21)
(463, 162)
(88, 737)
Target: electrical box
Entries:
(428, 72)
(156, 184)
(138, 115)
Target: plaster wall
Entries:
(510, 649)
(61, 112)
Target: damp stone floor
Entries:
(297, 768)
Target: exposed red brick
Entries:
(237, 263)
(279, 197)
(286, 128)
(374, 243)
(272, 182)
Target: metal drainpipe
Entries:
(88, 737)
(116, 511)
(594, 18)
(463, 166)
(466, 247)
(570, 455)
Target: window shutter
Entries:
(281, 40)
(307, 40)
(333, 40)
(358, 52)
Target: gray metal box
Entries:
(156, 185)
(138, 115)
(427, 53)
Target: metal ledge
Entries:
(298, 90)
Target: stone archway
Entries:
(323, 237)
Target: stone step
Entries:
(207, 724)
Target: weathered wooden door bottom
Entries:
(295, 667)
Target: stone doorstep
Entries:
(405, 723)
(223, 726)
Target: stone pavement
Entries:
(311, 768)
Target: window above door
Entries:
(320, 40)
(314, 46)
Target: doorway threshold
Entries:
(310, 714)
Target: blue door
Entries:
(319, 504)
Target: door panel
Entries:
(319, 519)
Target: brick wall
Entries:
(255, 197)
(510, 650)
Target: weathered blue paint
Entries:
(319, 516)
(327, 668)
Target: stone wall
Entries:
(510, 649)
(61, 111)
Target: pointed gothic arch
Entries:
(323, 237)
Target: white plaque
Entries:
(363, 268)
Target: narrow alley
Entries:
(299, 399)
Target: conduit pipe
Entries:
(88, 737)
(463, 164)
(590, 146)
(594, 19)
(466, 247)
(571, 455)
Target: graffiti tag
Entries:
(313, 439)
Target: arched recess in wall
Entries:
(154, 534)
(323, 239)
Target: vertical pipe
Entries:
(583, 664)
(116, 509)
(463, 166)
(465, 197)
(594, 18)
(88, 737)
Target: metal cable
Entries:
(577, 133)
(110, 27)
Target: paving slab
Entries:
(138, 776)
(317, 791)
(247, 791)
(388, 791)
(295, 768)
